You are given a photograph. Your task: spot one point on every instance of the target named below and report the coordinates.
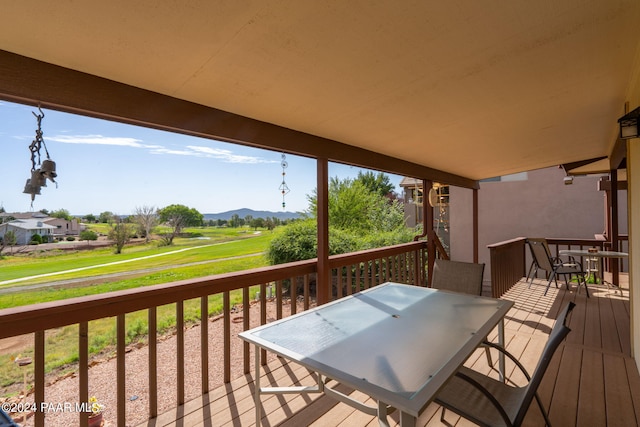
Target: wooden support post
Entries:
(476, 239)
(323, 279)
(427, 225)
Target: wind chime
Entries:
(46, 169)
(284, 189)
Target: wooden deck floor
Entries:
(592, 380)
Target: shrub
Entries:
(70, 239)
(36, 239)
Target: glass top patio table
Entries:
(397, 343)
(587, 253)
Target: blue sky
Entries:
(108, 166)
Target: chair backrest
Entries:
(457, 276)
(541, 253)
(558, 334)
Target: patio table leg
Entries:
(407, 420)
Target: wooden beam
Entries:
(29, 81)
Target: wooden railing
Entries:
(351, 272)
(510, 260)
(356, 271)
(507, 265)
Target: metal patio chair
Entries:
(463, 277)
(457, 276)
(555, 266)
(489, 402)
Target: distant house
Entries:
(25, 229)
(64, 227)
(61, 228)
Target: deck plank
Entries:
(592, 380)
(591, 401)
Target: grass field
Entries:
(206, 251)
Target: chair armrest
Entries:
(509, 355)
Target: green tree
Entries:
(353, 206)
(235, 221)
(106, 217)
(177, 217)
(379, 183)
(120, 234)
(62, 214)
(299, 241)
(90, 218)
(256, 223)
(359, 218)
(88, 235)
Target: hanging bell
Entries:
(48, 169)
(38, 179)
(32, 189)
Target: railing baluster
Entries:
(180, 352)
(153, 361)
(121, 397)
(307, 292)
(263, 318)
(204, 343)
(246, 349)
(279, 299)
(226, 318)
(83, 369)
(38, 372)
(293, 293)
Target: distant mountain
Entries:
(242, 213)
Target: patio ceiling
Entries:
(476, 89)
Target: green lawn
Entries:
(215, 251)
(100, 261)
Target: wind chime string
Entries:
(46, 169)
(284, 189)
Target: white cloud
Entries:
(190, 150)
(213, 153)
(101, 140)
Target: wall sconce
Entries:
(629, 124)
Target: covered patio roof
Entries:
(453, 91)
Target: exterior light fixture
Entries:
(568, 180)
(629, 124)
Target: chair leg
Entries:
(534, 267)
(584, 280)
(552, 277)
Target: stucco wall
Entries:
(541, 206)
